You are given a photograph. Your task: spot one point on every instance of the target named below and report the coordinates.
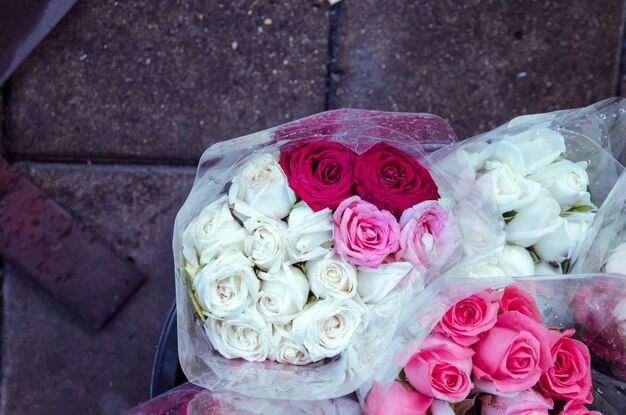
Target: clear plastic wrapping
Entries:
(472, 219)
(548, 174)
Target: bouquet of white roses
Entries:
(299, 247)
(548, 174)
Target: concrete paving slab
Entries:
(162, 81)
(477, 63)
(52, 362)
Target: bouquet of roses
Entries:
(189, 399)
(298, 248)
(548, 174)
(494, 353)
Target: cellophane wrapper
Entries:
(587, 302)
(189, 399)
(607, 231)
(595, 134)
(416, 135)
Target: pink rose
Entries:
(399, 399)
(512, 356)
(441, 369)
(514, 299)
(569, 377)
(422, 225)
(577, 408)
(470, 317)
(364, 235)
(528, 402)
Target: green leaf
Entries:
(581, 208)
(328, 244)
(312, 298)
(534, 256)
(191, 271)
(559, 158)
(299, 204)
(464, 406)
(300, 266)
(508, 216)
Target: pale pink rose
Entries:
(529, 402)
(398, 399)
(577, 408)
(514, 299)
(512, 356)
(364, 235)
(569, 377)
(468, 318)
(441, 369)
(422, 226)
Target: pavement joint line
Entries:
(92, 161)
(106, 167)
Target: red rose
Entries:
(570, 375)
(512, 356)
(468, 318)
(392, 180)
(515, 299)
(320, 173)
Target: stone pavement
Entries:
(111, 112)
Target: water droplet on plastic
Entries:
(614, 115)
(622, 110)
(600, 392)
(603, 116)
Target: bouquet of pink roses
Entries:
(299, 248)
(522, 349)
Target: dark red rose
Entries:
(514, 299)
(392, 180)
(320, 173)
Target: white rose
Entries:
(534, 222)
(616, 262)
(265, 244)
(331, 277)
(213, 227)
(511, 190)
(375, 283)
(564, 181)
(247, 335)
(563, 241)
(227, 285)
(476, 154)
(530, 151)
(487, 269)
(283, 294)
(261, 186)
(309, 234)
(478, 234)
(325, 327)
(515, 261)
(543, 268)
(286, 349)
